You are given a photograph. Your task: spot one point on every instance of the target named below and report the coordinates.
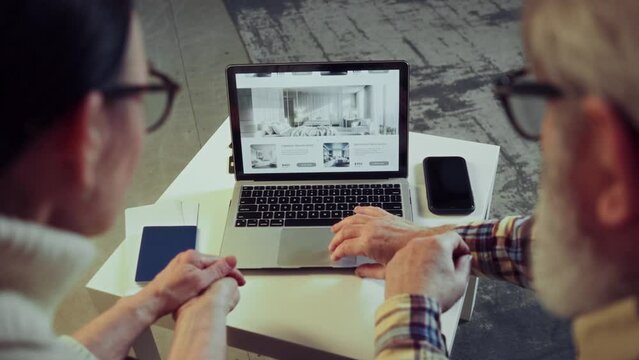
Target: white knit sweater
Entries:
(38, 266)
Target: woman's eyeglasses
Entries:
(158, 97)
(524, 101)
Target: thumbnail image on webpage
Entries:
(319, 121)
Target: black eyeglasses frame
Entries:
(167, 85)
(506, 85)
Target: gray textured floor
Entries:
(455, 48)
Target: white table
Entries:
(295, 314)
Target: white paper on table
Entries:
(170, 213)
(191, 212)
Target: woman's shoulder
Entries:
(26, 333)
(21, 318)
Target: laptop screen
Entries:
(296, 120)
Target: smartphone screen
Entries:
(448, 185)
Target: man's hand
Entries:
(436, 266)
(377, 234)
(186, 276)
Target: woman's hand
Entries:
(190, 275)
(185, 277)
(200, 324)
(220, 298)
(377, 234)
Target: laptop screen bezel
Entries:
(402, 66)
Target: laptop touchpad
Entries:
(308, 247)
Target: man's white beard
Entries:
(567, 274)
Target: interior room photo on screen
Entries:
(336, 155)
(263, 156)
(318, 111)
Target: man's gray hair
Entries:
(589, 46)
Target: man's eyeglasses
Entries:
(158, 97)
(524, 101)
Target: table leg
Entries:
(145, 347)
(469, 301)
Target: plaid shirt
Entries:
(408, 326)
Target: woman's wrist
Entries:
(199, 333)
(201, 319)
(147, 306)
(203, 309)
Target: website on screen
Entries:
(319, 121)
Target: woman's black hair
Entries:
(54, 53)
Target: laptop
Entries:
(311, 141)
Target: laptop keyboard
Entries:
(312, 205)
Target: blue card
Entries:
(159, 246)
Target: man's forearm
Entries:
(200, 335)
(500, 248)
(111, 334)
(408, 327)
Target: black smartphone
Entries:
(448, 186)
